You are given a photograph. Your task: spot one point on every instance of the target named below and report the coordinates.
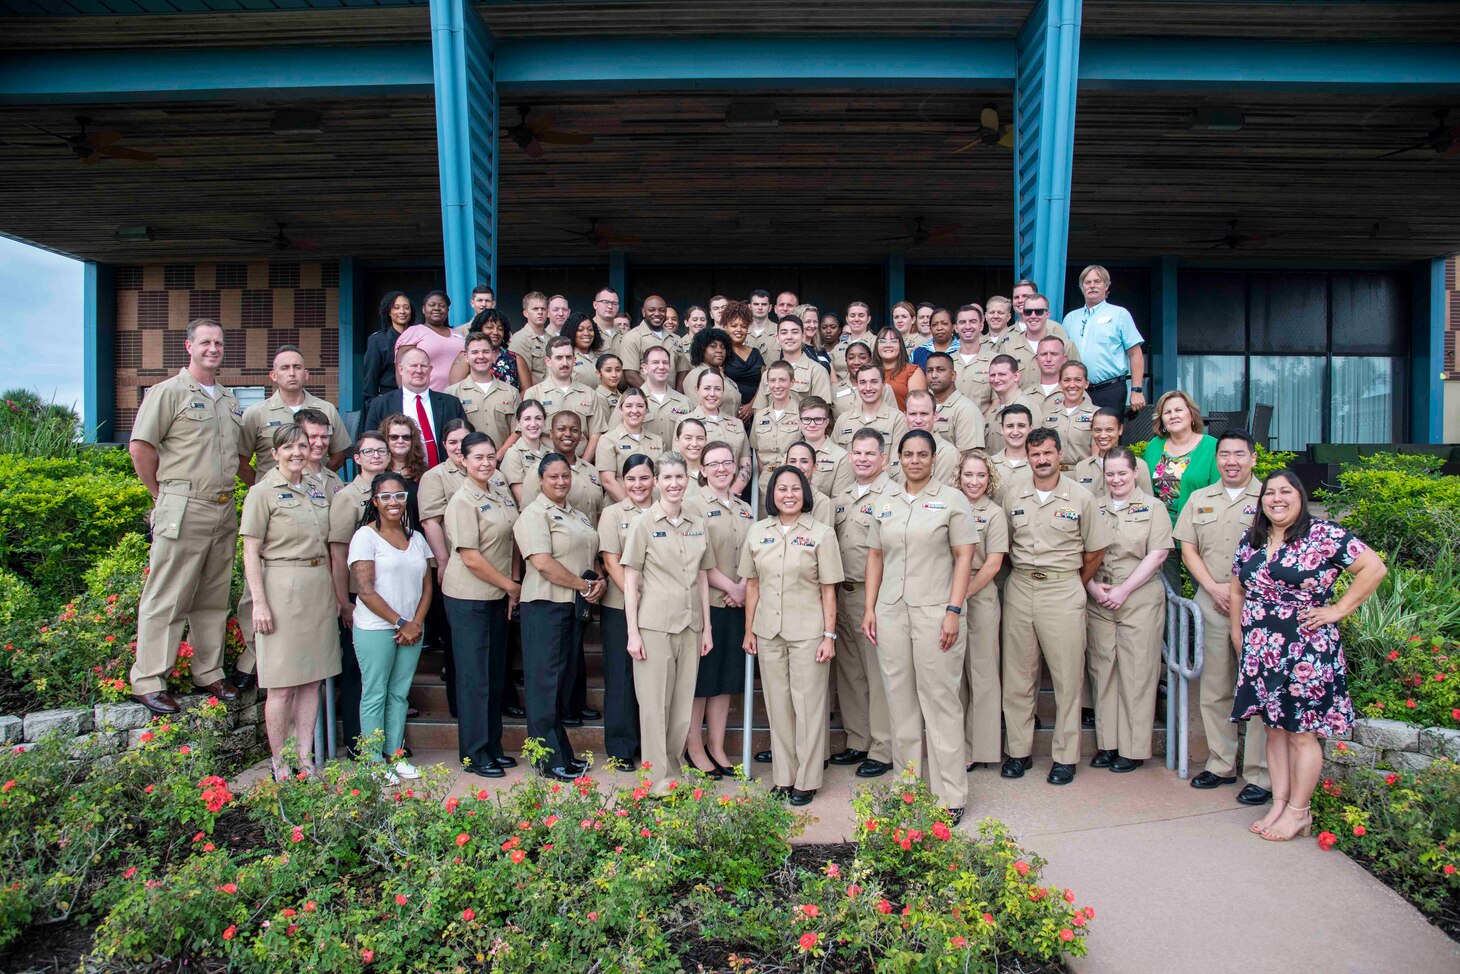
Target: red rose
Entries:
(367, 955)
(400, 899)
(517, 856)
(468, 914)
(810, 909)
(958, 943)
(884, 907)
(1360, 830)
(1067, 934)
(1410, 703)
(809, 940)
(1021, 867)
(1326, 840)
(1390, 779)
(228, 934)
(1449, 870)
(463, 839)
(909, 797)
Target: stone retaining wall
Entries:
(1390, 744)
(110, 728)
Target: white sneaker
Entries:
(406, 769)
(390, 776)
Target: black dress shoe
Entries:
(724, 770)
(713, 774)
(243, 681)
(412, 713)
(970, 766)
(1254, 795)
(1208, 780)
(505, 762)
(621, 765)
(799, 797)
(781, 791)
(1087, 717)
(956, 816)
(572, 721)
(850, 756)
(1038, 724)
(578, 765)
(561, 774)
(588, 713)
(1102, 759)
(1122, 764)
(762, 757)
(485, 771)
(1015, 767)
(515, 712)
(160, 702)
(872, 768)
(1061, 774)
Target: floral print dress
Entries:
(1293, 677)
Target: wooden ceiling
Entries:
(842, 171)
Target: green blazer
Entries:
(1201, 471)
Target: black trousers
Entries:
(620, 706)
(1111, 396)
(551, 633)
(347, 687)
(479, 643)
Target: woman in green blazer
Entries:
(1181, 458)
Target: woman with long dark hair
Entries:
(1285, 626)
(587, 346)
(744, 363)
(396, 315)
(435, 336)
(900, 375)
(389, 561)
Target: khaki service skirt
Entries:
(305, 644)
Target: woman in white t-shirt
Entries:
(391, 565)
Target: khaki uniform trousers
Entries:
(1044, 616)
(982, 700)
(1124, 657)
(1215, 689)
(187, 584)
(664, 685)
(861, 693)
(795, 690)
(922, 695)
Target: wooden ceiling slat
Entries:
(1357, 20)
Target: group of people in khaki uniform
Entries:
(919, 568)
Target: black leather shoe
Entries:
(485, 771)
(572, 721)
(1015, 767)
(1102, 759)
(972, 766)
(799, 797)
(1208, 780)
(561, 774)
(956, 816)
(620, 764)
(781, 791)
(588, 713)
(1038, 724)
(1061, 774)
(515, 712)
(1254, 795)
(244, 681)
(872, 768)
(505, 762)
(578, 765)
(713, 773)
(1087, 717)
(850, 756)
(412, 713)
(725, 770)
(1122, 764)
(762, 757)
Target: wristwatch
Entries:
(828, 635)
(400, 623)
(956, 609)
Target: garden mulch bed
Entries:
(1447, 921)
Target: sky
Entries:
(42, 331)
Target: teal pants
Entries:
(385, 678)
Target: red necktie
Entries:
(426, 432)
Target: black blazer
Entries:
(444, 408)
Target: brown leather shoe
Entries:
(160, 702)
(221, 689)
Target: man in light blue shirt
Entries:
(1109, 344)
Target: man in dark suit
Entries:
(415, 398)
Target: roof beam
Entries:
(99, 76)
(1249, 65)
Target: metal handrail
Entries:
(1183, 654)
(749, 714)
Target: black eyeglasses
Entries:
(1036, 311)
(375, 451)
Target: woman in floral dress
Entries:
(1292, 670)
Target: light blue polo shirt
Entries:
(1102, 335)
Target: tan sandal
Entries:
(1305, 830)
(1256, 827)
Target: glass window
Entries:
(1216, 382)
(1370, 313)
(1212, 310)
(1288, 313)
(1363, 400)
(1293, 386)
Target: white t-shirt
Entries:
(399, 575)
(1235, 492)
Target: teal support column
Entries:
(896, 283)
(1164, 371)
(99, 352)
(1427, 354)
(466, 144)
(352, 336)
(618, 275)
(1047, 78)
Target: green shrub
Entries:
(1413, 516)
(1405, 826)
(1417, 464)
(32, 427)
(57, 516)
(556, 877)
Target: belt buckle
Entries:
(1038, 576)
(224, 496)
(315, 562)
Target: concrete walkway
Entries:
(1177, 882)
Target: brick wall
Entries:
(261, 305)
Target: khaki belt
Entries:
(1047, 574)
(217, 497)
(295, 562)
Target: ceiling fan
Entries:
(990, 132)
(1442, 140)
(93, 147)
(944, 233)
(1233, 239)
(531, 131)
(281, 241)
(600, 235)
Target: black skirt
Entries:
(723, 670)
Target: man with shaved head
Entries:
(649, 332)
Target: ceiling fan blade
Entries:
(533, 149)
(1006, 137)
(897, 239)
(1398, 152)
(538, 124)
(946, 228)
(92, 159)
(122, 152)
(54, 135)
(988, 118)
(619, 238)
(304, 243)
(968, 145)
(564, 138)
(104, 137)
